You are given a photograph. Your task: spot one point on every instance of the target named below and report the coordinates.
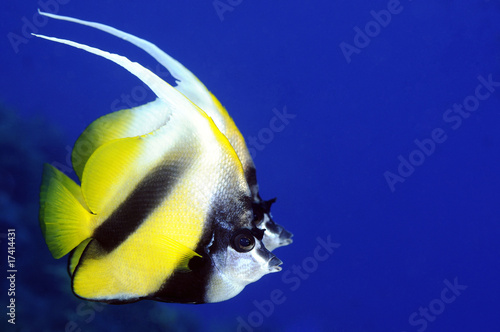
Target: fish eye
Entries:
(243, 241)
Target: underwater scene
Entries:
(231, 165)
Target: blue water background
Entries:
(399, 248)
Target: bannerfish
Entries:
(189, 85)
(168, 208)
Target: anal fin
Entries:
(134, 270)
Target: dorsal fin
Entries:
(189, 85)
(131, 122)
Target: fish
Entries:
(168, 206)
(189, 85)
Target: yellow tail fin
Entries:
(64, 220)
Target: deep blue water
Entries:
(392, 154)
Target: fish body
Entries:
(168, 208)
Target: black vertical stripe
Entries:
(251, 176)
(138, 206)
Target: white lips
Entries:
(274, 264)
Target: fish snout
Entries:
(274, 264)
(285, 237)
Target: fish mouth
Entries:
(285, 237)
(274, 264)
